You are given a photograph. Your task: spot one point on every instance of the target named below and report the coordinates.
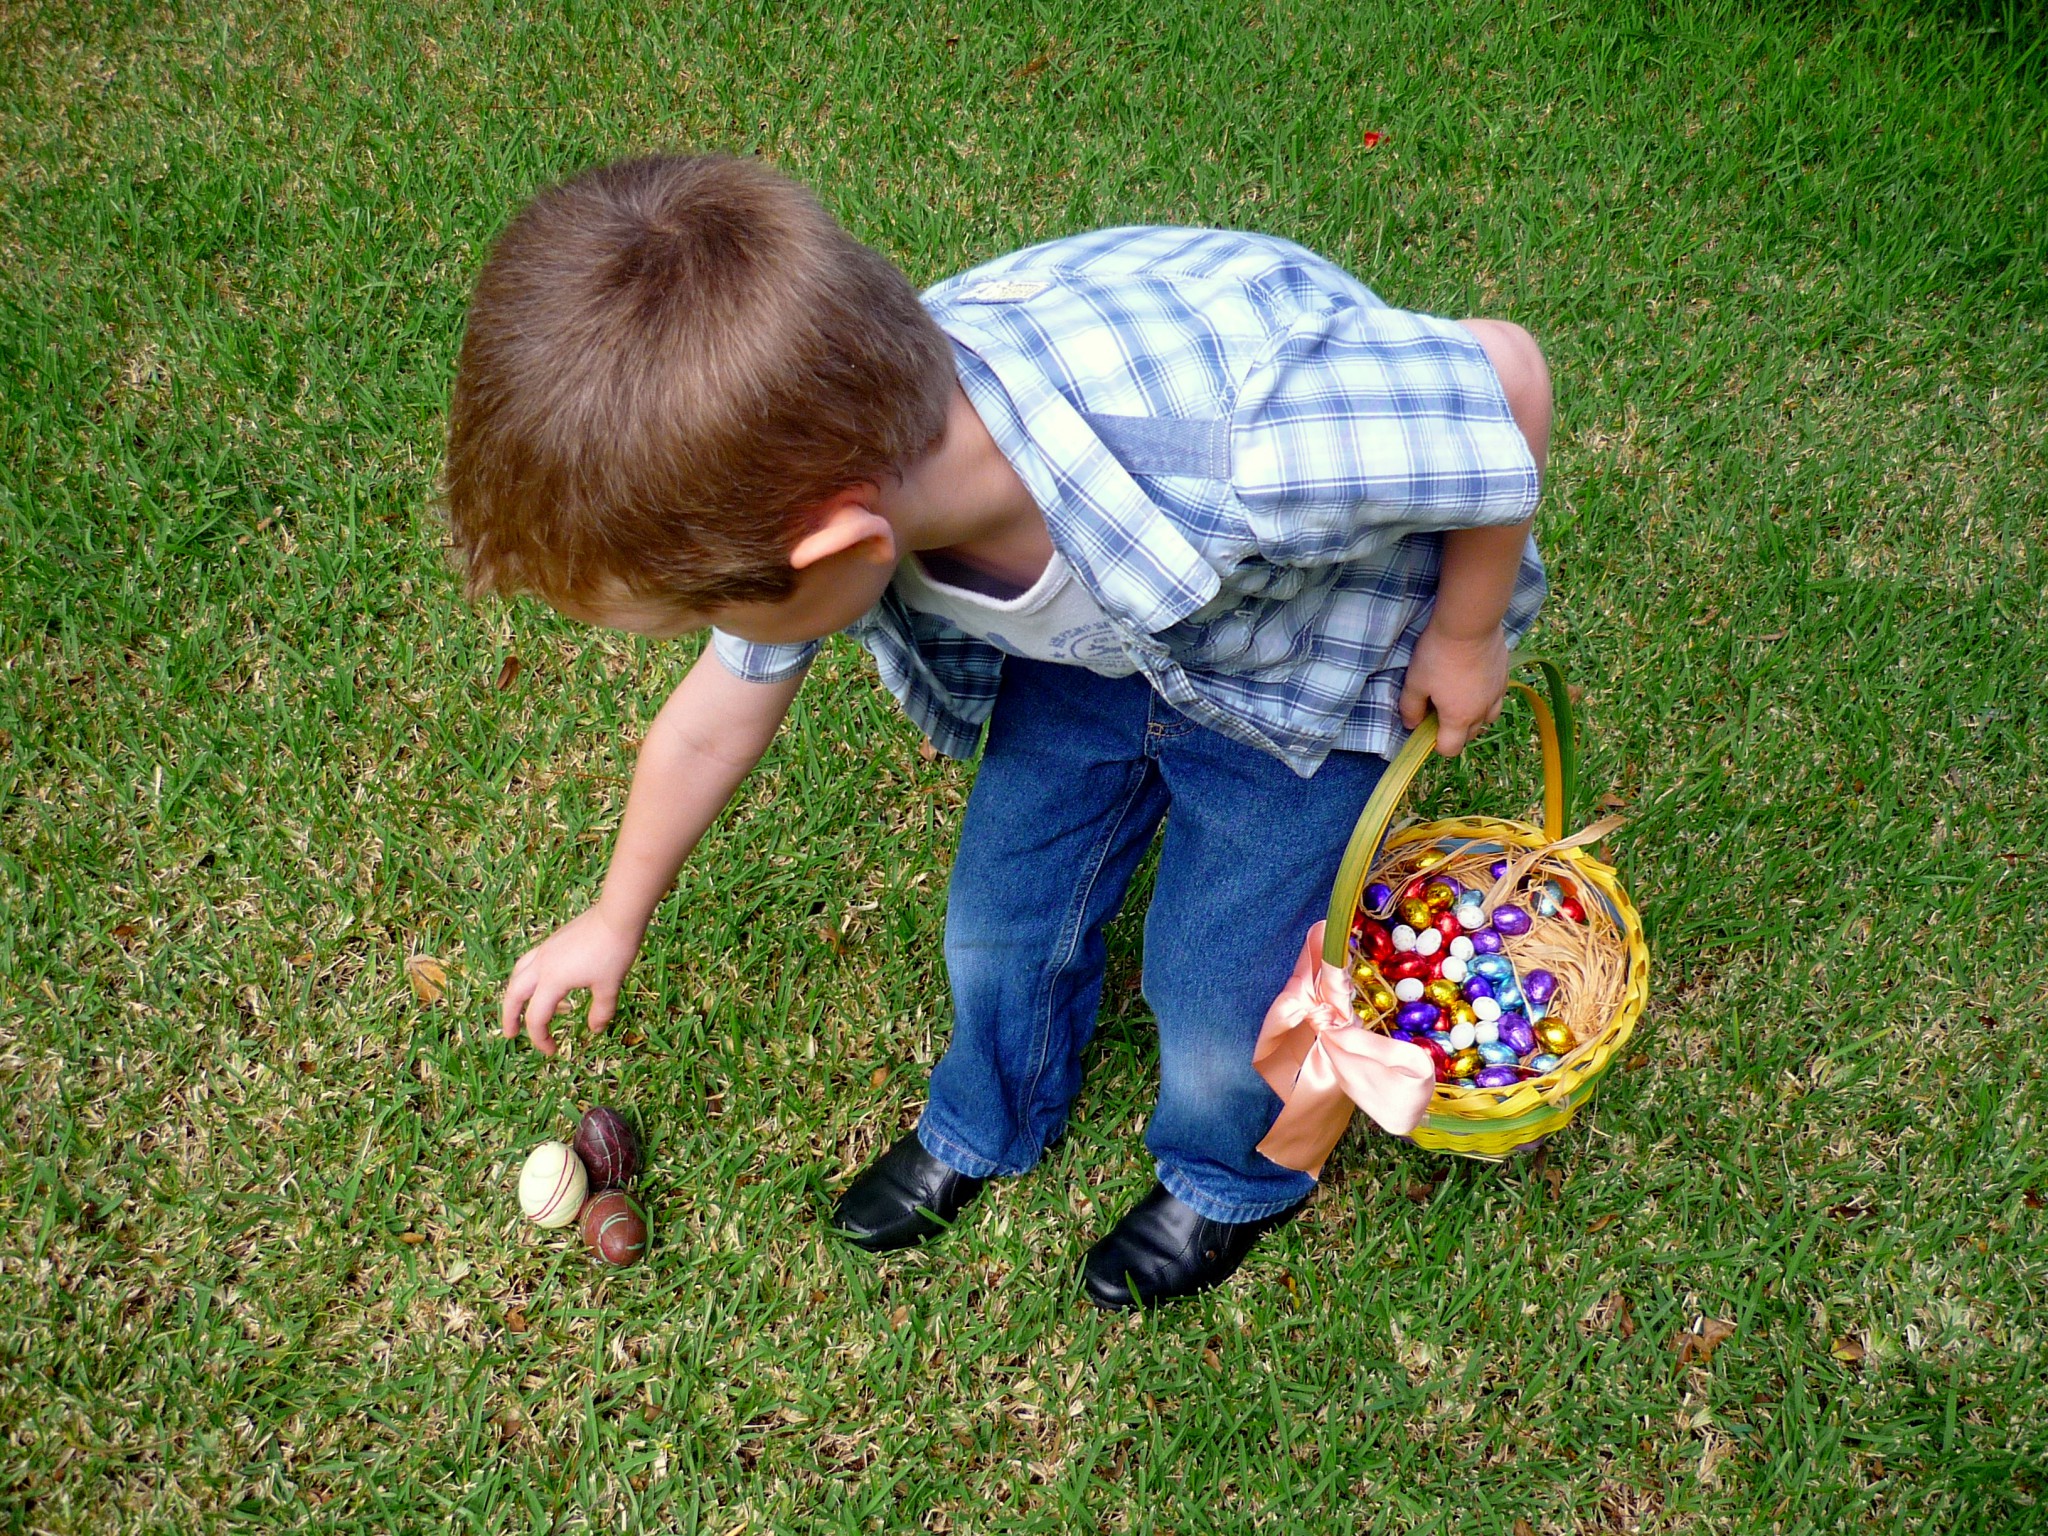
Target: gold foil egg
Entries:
(1557, 1037)
(1464, 1063)
(1442, 993)
(1415, 913)
(1427, 860)
(1439, 896)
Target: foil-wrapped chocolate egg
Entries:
(1440, 894)
(1419, 1016)
(1462, 1036)
(1510, 921)
(1452, 969)
(1439, 1057)
(1461, 946)
(1485, 1032)
(1496, 1054)
(1465, 1062)
(1415, 912)
(1377, 895)
(1374, 941)
(1366, 972)
(1539, 987)
(1401, 967)
(1495, 968)
(1409, 989)
(1496, 869)
(1427, 860)
(1380, 998)
(1402, 938)
(1496, 1077)
(1544, 899)
(1428, 941)
(1442, 993)
(1571, 911)
(1448, 925)
(1485, 1009)
(1440, 1040)
(1508, 993)
(1517, 1033)
(1471, 910)
(1544, 1061)
(1486, 942)
(1475, 986)
(1555, 1036)
(1461, 1012)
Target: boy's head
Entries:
(670, 365)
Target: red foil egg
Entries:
(1374, 943)
(1570, 908)
(1447, 924)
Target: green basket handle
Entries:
(1556, 732)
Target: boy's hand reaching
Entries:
(1465, 679)
(590, 952)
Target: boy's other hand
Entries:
(590, 952)
(1465, 679)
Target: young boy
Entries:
(1190, 520)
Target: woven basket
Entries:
(1490, 1123)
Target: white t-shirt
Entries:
(1054, 620)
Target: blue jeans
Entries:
(1077, 774)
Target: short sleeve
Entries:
(754, 663)
(1359, 426)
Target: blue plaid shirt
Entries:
(1247, 459)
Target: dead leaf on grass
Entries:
(899, 1317)
(515, 1321)
(1612, 802)
(928, 752)
(1601, 1223)
(508, 674)
(1849, 1351)
(2035, 1199)
(126, 930)
(1699, 1342)
(1523, 1527)
(1420, 1192)
(429, 978)
(412, 1239)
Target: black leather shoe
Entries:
(1164, 1250)
(902, 1198)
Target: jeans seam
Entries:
(1070, 940)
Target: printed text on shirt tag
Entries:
(1004, 290)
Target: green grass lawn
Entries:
(262, 1267)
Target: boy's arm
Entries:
(1461, 659)
(709, 734)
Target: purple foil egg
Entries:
(1539, 987)
(1377, 895)
(1477, 987)
(1418, 1016)
(1485, 942)
(1496, 1077)
(1497, 868)
(1511, 921)
(1517, 1033)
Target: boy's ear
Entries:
(847, 521)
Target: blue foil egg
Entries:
(1511, 921)
(1545, 1062)
(1496, 1077)
(1539, 987)
(1419, 1016)
(1545, 900)
(1485, 942)
(1493, 967)
(1499, 1054)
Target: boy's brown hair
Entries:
(667, 362)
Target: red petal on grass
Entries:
(1373, 138)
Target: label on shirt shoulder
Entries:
(1004, 290)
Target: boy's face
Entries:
(828, 596)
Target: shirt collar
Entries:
(1129, 554)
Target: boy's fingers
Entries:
(1414, 705)
(517, 991)
(603, 1003)
(540, 1012)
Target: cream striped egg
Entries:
(552, 1184)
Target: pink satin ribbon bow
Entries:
(1315, 1054)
